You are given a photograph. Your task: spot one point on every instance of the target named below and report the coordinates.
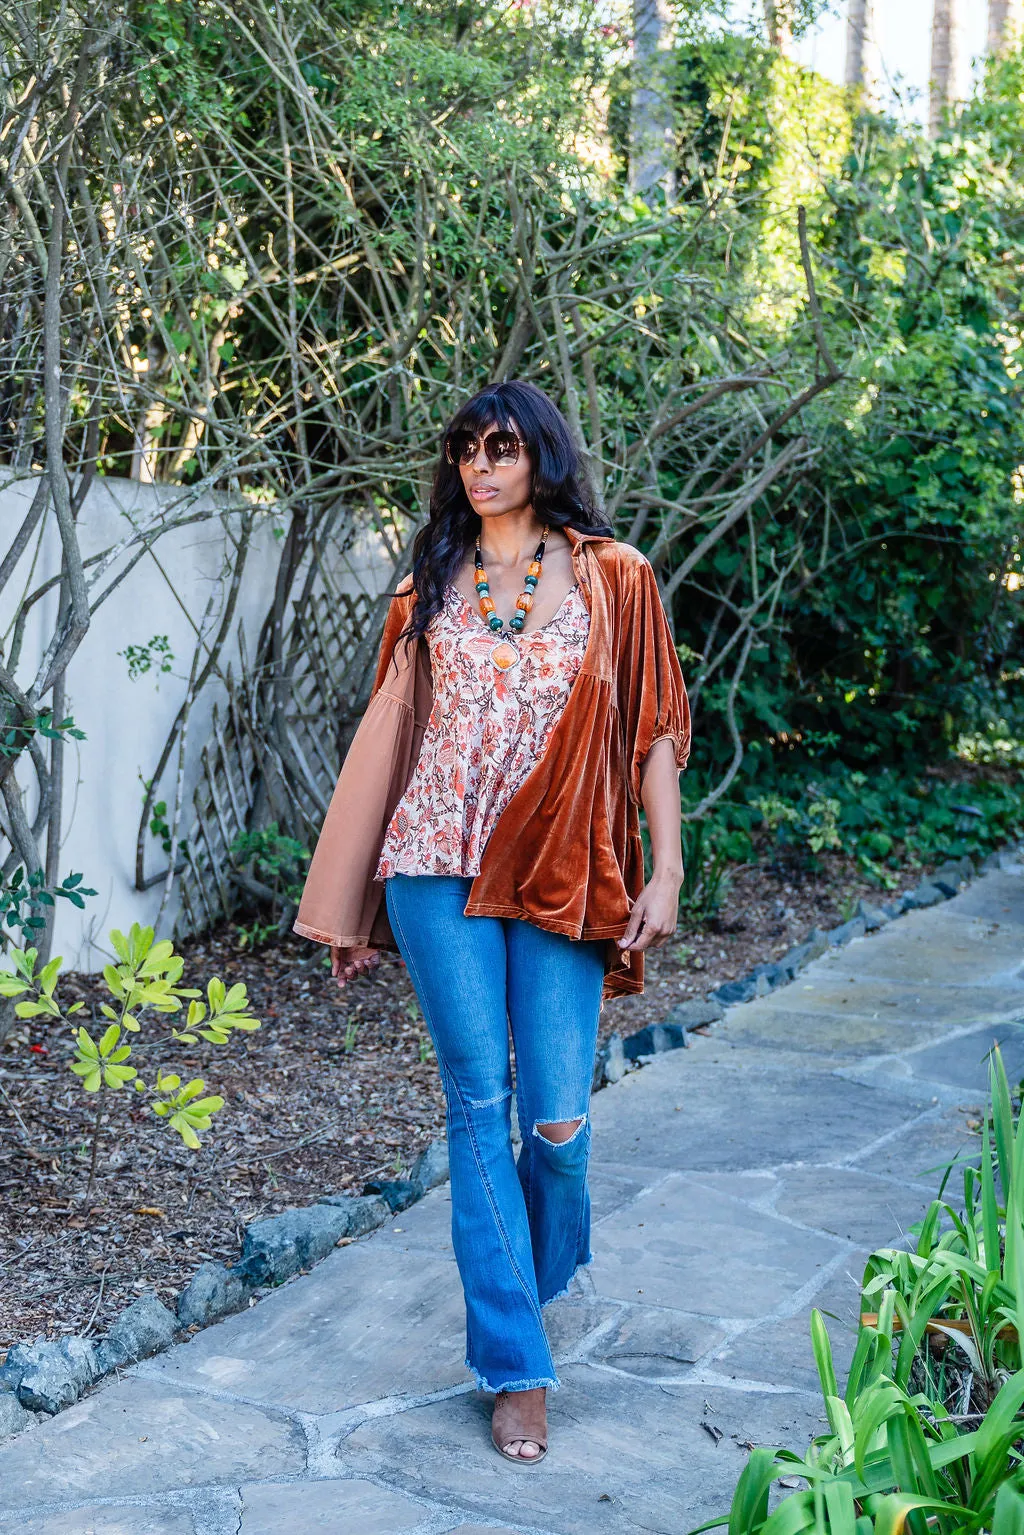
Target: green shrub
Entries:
(144, 981)
(928, 1433)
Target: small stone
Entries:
(893, 909)
(847, 931)
(743, 990)
(795, 959)
(873, 917)
(143, 1329)
(691, 1015)
(364, 1212)
(13, 1417)
(611, 1059)
(926, 894)
(276, 1248)
(951, 873)
(51, 1376)
(213, 1291)
(654, 1039)
(431, 1166)
(770, 975)
(399, 1193)
(989, 863)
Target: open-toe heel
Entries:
(513, 1418)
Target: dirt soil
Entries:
(335, 1088)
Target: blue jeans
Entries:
(520, 1229)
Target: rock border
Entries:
(42, 1378)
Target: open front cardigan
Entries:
(566, 852)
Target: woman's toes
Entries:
(525, 1449)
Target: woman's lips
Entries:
(482, 492)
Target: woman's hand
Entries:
(652, 921)
(347, 963)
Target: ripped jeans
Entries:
(520, 1229)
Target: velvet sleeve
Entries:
(652, 694)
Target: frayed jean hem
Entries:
(551, 1382)
(558, 1295)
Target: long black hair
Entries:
(558, 492)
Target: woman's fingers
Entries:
(345, 965)
(636, 917)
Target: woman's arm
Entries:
(652, 921)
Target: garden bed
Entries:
(334, 1090)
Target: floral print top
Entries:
(487, 729)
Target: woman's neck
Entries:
(510, 539)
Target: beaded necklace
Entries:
(505, 652)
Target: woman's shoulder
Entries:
(617, 557)
(404, 587)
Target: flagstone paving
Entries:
(735, 1185)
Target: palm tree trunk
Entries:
(778, 18)
(1004, 17)
(652, 129)
(861, 61)
(942, 84)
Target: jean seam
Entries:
(485, 1181)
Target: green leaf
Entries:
(86, 1043)
(180, 1123)
(750, 1500)
(110, 1039)
(116, 1076)
(47, 978)
(1008, 1516)
(822, 1348)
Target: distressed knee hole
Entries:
(558, 1131)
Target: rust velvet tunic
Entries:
(565, 853)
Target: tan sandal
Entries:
(514, 1419)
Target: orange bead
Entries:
(480, 574)
(524, 601)
(487, 603)
(534, 568)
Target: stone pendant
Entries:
(504, 654)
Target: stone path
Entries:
(735, 1185)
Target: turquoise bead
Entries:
(530, 581)
(494, 621)
(483, 589)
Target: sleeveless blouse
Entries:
(487, 729)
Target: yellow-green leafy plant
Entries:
(145, 980)
(928, 1435)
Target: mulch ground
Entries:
(335, 1088)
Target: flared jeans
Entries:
(520, 1227)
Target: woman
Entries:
(527, 701)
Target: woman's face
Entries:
(496, 489)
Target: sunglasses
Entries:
(500, 448)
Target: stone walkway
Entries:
(735, 1185)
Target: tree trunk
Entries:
(1004, 17)
(861, 60)
(652, 130)
(778, 18)
(942, 82)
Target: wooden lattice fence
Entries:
(274, 747)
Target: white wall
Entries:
(126, 723)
